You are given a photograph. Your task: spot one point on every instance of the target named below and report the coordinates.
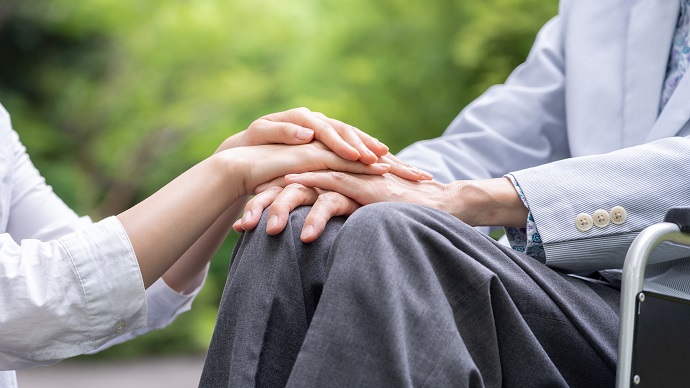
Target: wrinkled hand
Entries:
(485, 202)
(365, 189)
(282, 201)
(333, 194)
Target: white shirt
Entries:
(67, 286)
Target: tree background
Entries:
(114, 98)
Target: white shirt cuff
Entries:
(110, 278)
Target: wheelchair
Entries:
(654, 338)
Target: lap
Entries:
(406, 296)
(407, 277)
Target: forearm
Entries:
(164, 226)
(186, 274)
(489, 202)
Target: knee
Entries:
(377, 227)
(401, 227)
(391, 217)
(379, 214)
(379, 244)
(254, 245)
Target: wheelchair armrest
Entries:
(679, 216)
(674, 229)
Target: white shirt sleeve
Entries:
(65, 297)
(67, 286)
(164, 305)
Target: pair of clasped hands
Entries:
(299, 157)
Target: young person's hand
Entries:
(301, 126)
(255, 165)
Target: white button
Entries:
(583, 222)
(618, 215)
(120, 326)
(601, 218)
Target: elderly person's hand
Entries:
(332, 193)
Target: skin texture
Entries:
(176, 231)
(491, 202)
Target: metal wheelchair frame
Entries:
(675, 229)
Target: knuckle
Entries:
(250, 133)
(256, 123)
(302, 110)
(253, 125)
(285, 129)
(338, 176)
(278, 207)
(317, 218)
(330, 198)
(330, 203)
(295, 187)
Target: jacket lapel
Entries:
(650, 32)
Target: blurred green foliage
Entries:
(114, 98)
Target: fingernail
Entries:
(427, 175)
(307, 232)
(304, 133)
(291, 176)
(247, 216)
(272, 222)
(260, 188)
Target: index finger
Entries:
(328, 205)
(323, 131)
(404, 170)
(365, 143)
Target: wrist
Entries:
(235, 170)
(489, 202)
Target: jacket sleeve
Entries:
(644, 181)
(516, 125)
